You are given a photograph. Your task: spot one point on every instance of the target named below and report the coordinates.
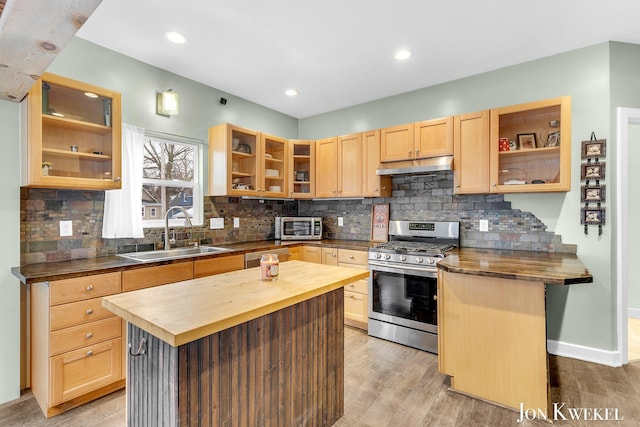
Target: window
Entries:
(170, 178)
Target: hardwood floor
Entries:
(391, 385)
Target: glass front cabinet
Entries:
(71, 135)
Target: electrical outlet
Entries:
(66, 228)
(340, 221)
(216, 223)
(484, 225)
(236, 222)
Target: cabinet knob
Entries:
(457, 185)
(351, 257)
(493, 183)
(409, 153)
(89, 335)
(89, 311)
(117, 179)
(417, 151)
(333, 254)
(89, 353)
(89, 288)
(435, 297)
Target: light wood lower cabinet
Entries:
(76, 345)
(492, 339)
(147, 277)
(211, 266)
(356, 295)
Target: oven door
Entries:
(404, 296)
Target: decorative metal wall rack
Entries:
(593, 194)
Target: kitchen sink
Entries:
(168, 254)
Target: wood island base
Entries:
(283, 368)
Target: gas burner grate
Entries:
(415, 247)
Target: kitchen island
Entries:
(231, 349)
(492, 323)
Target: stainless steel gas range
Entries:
(403, 282)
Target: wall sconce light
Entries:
(167, 103)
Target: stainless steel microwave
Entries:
(300, 228)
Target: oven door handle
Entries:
(419, 271)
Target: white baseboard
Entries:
(634, 312)
(588, 354)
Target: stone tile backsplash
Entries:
(427, 198)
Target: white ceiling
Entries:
(339, 53)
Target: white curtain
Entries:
(123, 208)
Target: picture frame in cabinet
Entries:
(593, 216)
(526, 141)
(594, 148)
(592, 170)
(593, 194)
(553, 139)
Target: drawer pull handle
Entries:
(351, 257)
(89, 288)
(89, 335)
(89, 353)
(90, 311)
(142, 348)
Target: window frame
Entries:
(196, 185)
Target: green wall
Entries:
(9, 251)
(582, 315)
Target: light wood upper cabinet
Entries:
(326, 167)
(273, 172)
(434, 138)
(471, 153)
(374, 185)
(428, 138)
(302, 169)
(339, 162)
(397, 143)
(72, 136)
(542, 166)
(233, 161)
(350, 162)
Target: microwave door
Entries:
(301, 228)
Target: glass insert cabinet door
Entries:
(74, 135)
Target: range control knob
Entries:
(419, 260)
(387, 256)
(378, 256)
(403, 258)
(431, 261)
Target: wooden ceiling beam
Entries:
(32, 33)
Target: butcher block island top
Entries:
(183, 312)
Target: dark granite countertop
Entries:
(34, 273)
(550, 268)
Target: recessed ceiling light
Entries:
(291, 92)
(90, 95)
(175, 37)
(403, 54)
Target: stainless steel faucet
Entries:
(167, 241)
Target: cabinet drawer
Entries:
(81, 371)
(361, 287)
(79, 288)
(83, 335)
(146, 277)
(350, 256)
(208, 267)
(356, 306)
(76, 313)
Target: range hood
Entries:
(417, 167)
